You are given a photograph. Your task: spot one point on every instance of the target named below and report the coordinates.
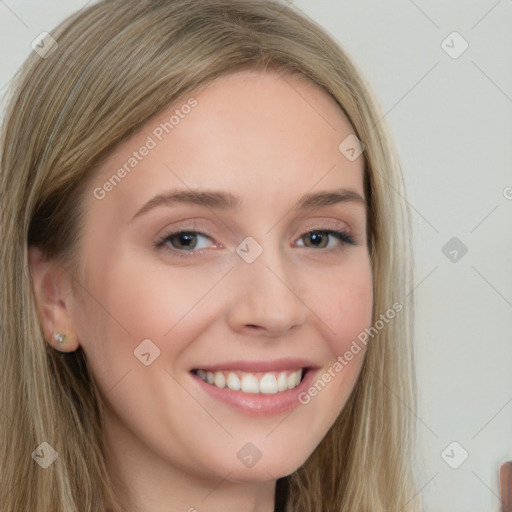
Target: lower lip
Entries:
(256, 404)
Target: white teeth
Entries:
(292, 380)
(219, 380)
(250, 384)
(268, 383)
(233, 381)
(282, 382)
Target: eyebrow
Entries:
(227, 201)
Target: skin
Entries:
(269, 140)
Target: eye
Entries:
(186, 241)
(326, 239)
(189, 243)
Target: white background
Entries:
(452, 122)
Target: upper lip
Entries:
(258, 366)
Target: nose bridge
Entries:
(263, 291)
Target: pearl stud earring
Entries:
(59, 337)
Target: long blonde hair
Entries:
(117, 64)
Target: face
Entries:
(230, 252)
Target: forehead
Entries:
(260, 135)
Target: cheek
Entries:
(158, 301)
(129, 301)
(344, 305)
(352, 315)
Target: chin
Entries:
(265, 470)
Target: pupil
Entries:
(316, 238)
(186, 240)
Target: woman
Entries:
(205, 247)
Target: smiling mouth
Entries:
(267, 383)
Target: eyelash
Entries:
(342, 236)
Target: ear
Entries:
(53, 296)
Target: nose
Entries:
(263, 300)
